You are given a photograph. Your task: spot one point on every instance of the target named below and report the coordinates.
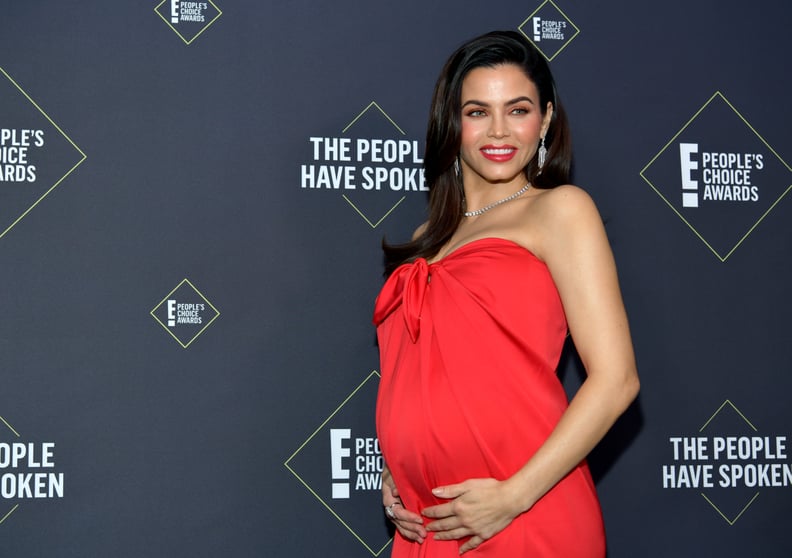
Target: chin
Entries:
(502, 179)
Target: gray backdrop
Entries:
(186, 352)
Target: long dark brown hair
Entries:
(443, 138)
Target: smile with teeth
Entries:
(500, 154)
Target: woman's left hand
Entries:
(477, 508)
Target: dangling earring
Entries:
(542, 154)
(457, 170)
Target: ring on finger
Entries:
(389, 510)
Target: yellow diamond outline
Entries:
(6, 516)
(736, 410)
(12, 510)
(373, 104)
(674, 209)
(205, 27)
(311, 490)
(572, 23)
(74, 145)
(748, 422)
(731, 521)
(373, 225)
(153, 315)
(11, 428)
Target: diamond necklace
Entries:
(486, 208)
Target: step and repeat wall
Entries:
(192, 200)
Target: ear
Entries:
(548, 117)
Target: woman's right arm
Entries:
(409, 524)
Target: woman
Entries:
(482, 450)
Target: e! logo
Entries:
(687, 164)
(337, 453)
(537, 29)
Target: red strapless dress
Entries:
(469, 347)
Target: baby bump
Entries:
(429, 444)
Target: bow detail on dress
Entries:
(406, 287)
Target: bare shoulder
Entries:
(567, 198)
(566, 207)
(420, 230)
(562, 219)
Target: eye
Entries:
(476, 112)
(520, 110)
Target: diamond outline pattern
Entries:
(45, 194)
(13, 509)
(709, 501)
(566, 17)
(312, 491)
(717, 94)
(373, 104)
(182, 37)
(194, 337)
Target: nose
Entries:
(498, 128)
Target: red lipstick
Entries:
(498, 153)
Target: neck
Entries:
(473, 210)
(480, 193)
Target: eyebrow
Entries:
(507, 103)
